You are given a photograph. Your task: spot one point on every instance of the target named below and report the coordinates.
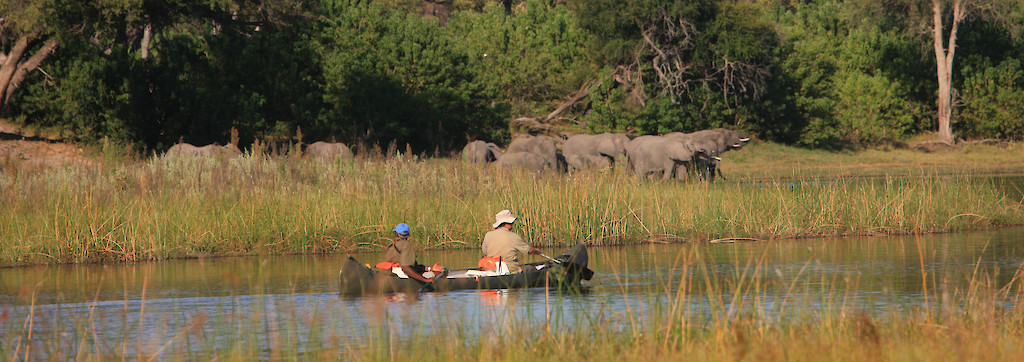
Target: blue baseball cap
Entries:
(402, 228)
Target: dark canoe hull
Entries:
(356, 278)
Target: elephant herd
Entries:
(531, 152)
(317, 150)
(211, 150)
(670, 156)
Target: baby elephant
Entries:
(329, 151)
(211, 150)
(481, 152)
(527, 160)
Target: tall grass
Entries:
(173, 208)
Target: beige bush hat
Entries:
(502, 217)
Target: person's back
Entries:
(400, 256)
(400, 251)
(505, 245)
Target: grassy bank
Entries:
(160, 208)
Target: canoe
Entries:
(566, 270)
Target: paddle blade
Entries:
(587, 274)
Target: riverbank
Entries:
(163, 209)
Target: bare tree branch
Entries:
(95, 40)
(580, 94)
(147, 37)
(27, 67)
(663, 49)
(668, 39)
(10, 64)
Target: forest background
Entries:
(434, 74)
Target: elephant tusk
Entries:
(717, 158)
(744, 139)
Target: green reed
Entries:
(165, 208)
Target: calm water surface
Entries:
(292, 301)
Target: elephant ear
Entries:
(680, 150)
(606, 147)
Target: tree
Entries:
(998, 11)
(683, 64)
(25, 45)
(944, 64)
(934, 17)
(150, 71)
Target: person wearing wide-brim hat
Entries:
(504, 244)
(402, 254)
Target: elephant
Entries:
(706, 153)
(211, 150)
(649, 155)
(715, 142)
(734, 140)
(538, 145)
(329, 151)
(723, 139)
(578, 162)
(527, 160)
(481, 152)
(589, 149)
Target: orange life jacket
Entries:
(490, 262)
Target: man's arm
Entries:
(413, 274)
(522, 246)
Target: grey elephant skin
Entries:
(705, 156)
(211, 150)
(329, 151)
(527, 160)
(713, 143)
(598, 150)
(481, 152)
(722, 139)
(653, 155)
(579, 162)
(538, 145)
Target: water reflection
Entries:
(157, 308)
(494, 297)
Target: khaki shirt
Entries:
(401, 251)
(504, 243)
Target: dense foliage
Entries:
(826, 74)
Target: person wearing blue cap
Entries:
(400, 256)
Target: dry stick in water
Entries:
(924, 274)
(92, 309)
(142, 310)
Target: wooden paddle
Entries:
(444, 274)
(550, 258)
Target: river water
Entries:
(193, 307)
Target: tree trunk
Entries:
(27, 67)
(582, 93)
(11, 65)
(944, 67)
(147, 37)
